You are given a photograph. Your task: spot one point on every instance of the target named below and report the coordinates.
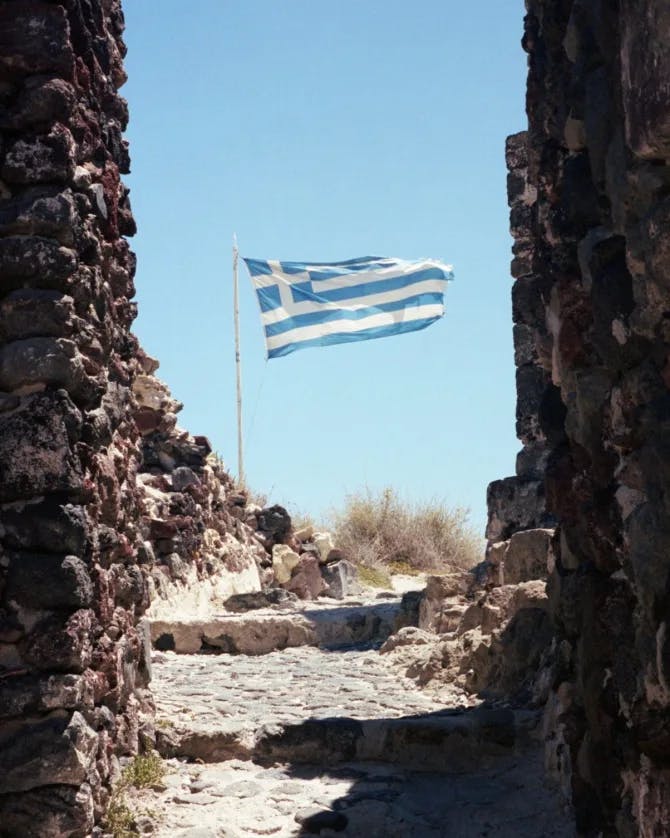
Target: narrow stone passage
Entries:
(307, 740)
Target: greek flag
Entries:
(307, 304)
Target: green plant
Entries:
(119, 820)
(383, 531)
(144, 771)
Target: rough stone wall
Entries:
(73, 663)
(107, 507)
(589, 190)
(197, 547)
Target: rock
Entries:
(57, 750)
(36, 456)
(259, 599)
(182, 477)
(274, 521)
(313, 822)
(645, 64)
(408, 636)
(47, 361)
(436, 606)
(44, 524)
(42, 101)
(47, 50)
(408, 614)
(49, 581)
(284, 560)
(514, 505)
(324, 544)
(526, 556)
(305, 533)
(41, 159)
(48, 812)
(41, 211)
(306, 580)
(341, 579)
(62, 644)
(31, 694)
(248, 635)
(35, 262)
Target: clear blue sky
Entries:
(322, 131)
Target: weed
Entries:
(144, 771)
(119, 820)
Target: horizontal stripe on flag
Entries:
(359, 313)
(260, 267)
(388, 319)
(277, 315)
(319, 303)
(364, 334)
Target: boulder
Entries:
(63, 810)
(439, 598)
(306, 580)
(253, 634)
(55, 750)
(283, 561)
(324, 544)
(341, 579)
(305, 533)
(42, 581)
(274, 521)
(44, 524)
(526, 556)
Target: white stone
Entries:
(324, 544)
(283, 561)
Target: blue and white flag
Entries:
(307, 304)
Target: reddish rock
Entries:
(306, 580)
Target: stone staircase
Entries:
(288, 722)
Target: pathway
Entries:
(306, 740)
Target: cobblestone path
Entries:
(306, 741)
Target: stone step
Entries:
(447, 741)
(264, 631)
(237, 799)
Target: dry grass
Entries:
(383, 532)
(373, 577)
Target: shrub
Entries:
(143, 771)
(381, 531)
(119, 820)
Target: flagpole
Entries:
(238, 365)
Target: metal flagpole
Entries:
(238, 366)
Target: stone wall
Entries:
(589, 190)
(73, 662)
(104, 501)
